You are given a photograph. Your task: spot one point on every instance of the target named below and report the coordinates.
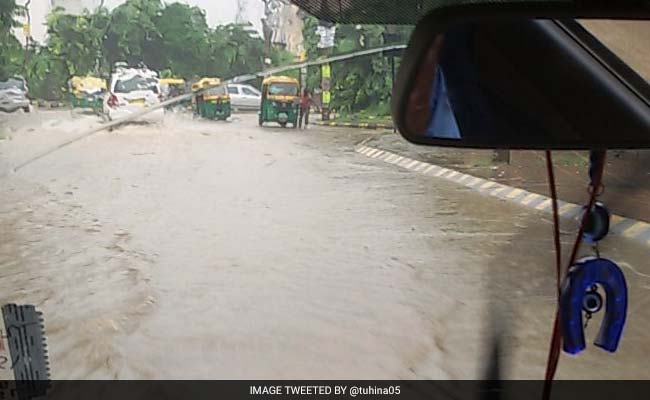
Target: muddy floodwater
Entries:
(199, 249)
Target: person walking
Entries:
(305, 104)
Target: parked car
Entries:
(131, 91)
(13, 95)
(244, 97)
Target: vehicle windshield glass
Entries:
(217, 91)
(12, 83)
(171, 236)
(283, 89)
(629, 40)
(135, 83)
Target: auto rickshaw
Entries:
(213, 103)
(280, 100)
(87, 92)
(172, 87)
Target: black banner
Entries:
(403, 390)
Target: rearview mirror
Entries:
(518, 83)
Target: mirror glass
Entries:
(531, 84)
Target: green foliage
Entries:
(11, 53)
(47, 75)
(358, 84)
(173, 38)
(11, 56)
(9, 10)
(76, 40)
(134, 35)
(183, 34)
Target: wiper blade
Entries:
(23, 351)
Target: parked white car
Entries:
(131, 91)
(13, 95)
(244, 97)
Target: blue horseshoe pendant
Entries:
(581, 277)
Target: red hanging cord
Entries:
(556, 339)
(553, 354)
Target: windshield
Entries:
(217, 91)
(627, 39)
(283, 89)
(172, 238)
(12, 83)
(136, 83)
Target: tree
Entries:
(357, 84)
(183, 30)
(11, 52)
(9, 10)
(174, 39)
(133, 34)
(76, 40)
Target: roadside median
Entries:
(361, 120)
(47, 104)
(360, 125)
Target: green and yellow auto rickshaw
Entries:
(213, 102)
(172, 87)
(280, 101)
(87, 92)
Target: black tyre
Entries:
(26, 109)
(283, 124)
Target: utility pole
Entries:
(271, 23)
(392, 36)
(327, 33)
(240, 17)
(98, 55)
(27, 31)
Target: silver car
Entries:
(13, 95)
(244, 97)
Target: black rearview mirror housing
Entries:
(518, 78)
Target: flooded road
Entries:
(210, 250)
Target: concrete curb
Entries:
(48, 104)
(638, 231)
(354, 125)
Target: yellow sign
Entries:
(326, 96)
(326, 71)
(26, 30)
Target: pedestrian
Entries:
(305, 104)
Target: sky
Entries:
(217, 12)
(220, 11)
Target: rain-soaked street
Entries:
(202, 249)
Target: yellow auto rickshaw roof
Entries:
(87, 82)
(205, 82)
(279, 79)
(172, 81)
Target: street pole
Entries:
(327, 32)
(27, 30)
(392, 81)
(502, 156)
